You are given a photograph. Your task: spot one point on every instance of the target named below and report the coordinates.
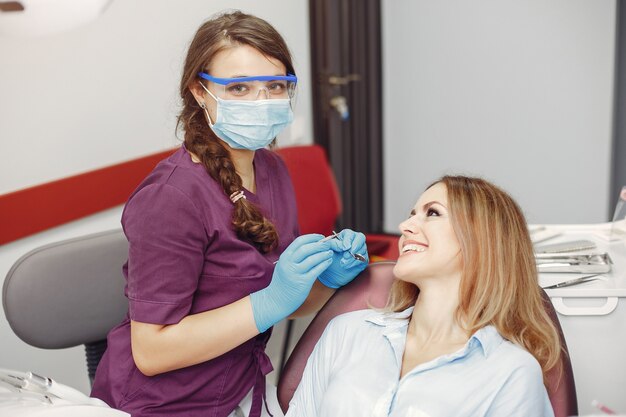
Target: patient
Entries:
(464, 332)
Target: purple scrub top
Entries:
(184, 258)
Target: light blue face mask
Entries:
(249, 124)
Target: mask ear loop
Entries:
(203, 105)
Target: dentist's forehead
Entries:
(244, 61)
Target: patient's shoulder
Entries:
(348, 328)
(353, 317)
(364, 320)
(350, 321)
(507, 356)
(516, 357)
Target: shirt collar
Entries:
(390, 319)
(487, 338)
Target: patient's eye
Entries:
(432, 212)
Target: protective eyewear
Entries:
(249, 88)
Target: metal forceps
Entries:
(356, 256)
(574, 281)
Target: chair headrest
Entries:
(68, 293)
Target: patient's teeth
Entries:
(413, 247)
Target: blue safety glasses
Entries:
(249, 88)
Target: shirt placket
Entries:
(395, 336)
(397, 340)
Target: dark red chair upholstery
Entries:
(318, 198)
(317, 195)
(372, 287)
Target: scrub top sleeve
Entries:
(523, 394)
(309, 396)
(167, 241)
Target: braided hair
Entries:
(225, 31)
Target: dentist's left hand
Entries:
(344, 267)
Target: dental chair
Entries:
(69, 293)
(319, 204)
(371, 289)
(318, 199)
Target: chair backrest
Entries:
(371, 288)
(319, 201)
(317, 195)
(69, 293)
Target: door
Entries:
(347, 104)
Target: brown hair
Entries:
(219, 33)
(499, 280)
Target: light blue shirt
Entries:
(354, 371)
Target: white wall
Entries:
(102, 94)
(108, 92)
(519, 92)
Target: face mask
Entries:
(250, 124)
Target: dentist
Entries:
(214, 254)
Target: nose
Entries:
(410, 226)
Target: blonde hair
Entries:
(499, 284)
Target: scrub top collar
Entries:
(261, 179)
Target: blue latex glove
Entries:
(297, 269)
(344, 267)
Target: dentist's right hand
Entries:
(297, 269)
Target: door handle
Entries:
(343, 80)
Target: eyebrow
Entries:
(427, 206)
(430, 203)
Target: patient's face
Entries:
(429, 247)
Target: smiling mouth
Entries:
(412, 247)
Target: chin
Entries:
(405, 272)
